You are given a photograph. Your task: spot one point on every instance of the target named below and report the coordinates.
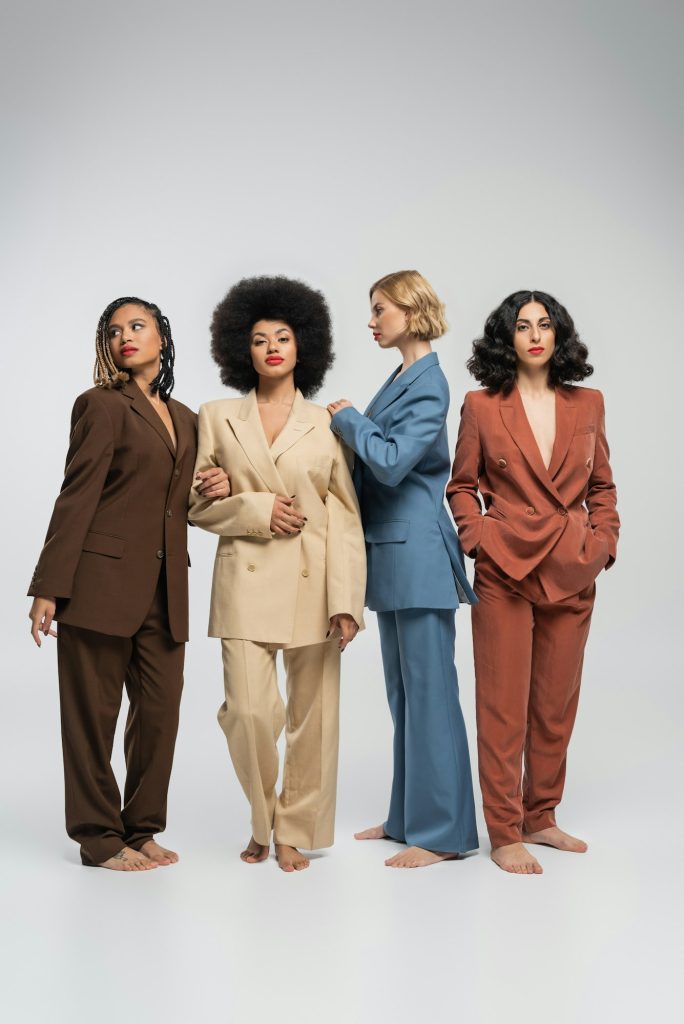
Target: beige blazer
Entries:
(267, 588)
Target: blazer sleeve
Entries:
(390, 457)
(345, 546)
(601, 497)
(91, 447)
(462, 490)
(240, 515)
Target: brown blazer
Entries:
(121, 515)
(562, 520)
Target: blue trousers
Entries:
(432, 803)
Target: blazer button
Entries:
(169, 512)
(503, 463)
(176, 472)
(160, 554)
(251, 568)
(530, 511)
(588, 463)
(305, 572)
(562, 511)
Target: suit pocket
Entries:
(395, 531)
(590, 429)
(103, 544)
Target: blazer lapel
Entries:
(515, 420)
(143, 407)
(246, 425)
(182, 432)
(296, 427)
(566, 419)
(397, 384)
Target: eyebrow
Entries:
(522, 320)
(261, 334)
(113, 323)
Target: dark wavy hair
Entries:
(493, 362)
(302, 308)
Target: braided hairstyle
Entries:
(106, 373)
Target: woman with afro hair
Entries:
(416, 575)
(290, 566)
(534, 448)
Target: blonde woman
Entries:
(415, 574)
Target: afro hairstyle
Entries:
(302, 308)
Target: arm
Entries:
(602, 496)
(462, 489)
(247, 514)
(91, 447)
(391, 458)
(345, 546)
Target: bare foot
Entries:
(515, 859)
(555, 837)
(254, 853)
(376, 832)
(417, 857)
(128, 860)
(158, 854)
(290, 859)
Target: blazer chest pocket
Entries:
(103, 544)
(395, 531)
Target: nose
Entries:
(535, 332)
(272, 345)
(372, 323)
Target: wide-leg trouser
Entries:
(93, 669)
(528, 667)
(431, 803)
(252, 718)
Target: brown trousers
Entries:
(528, 666)
(93, 669)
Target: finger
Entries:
(34, 632)
(53, 632)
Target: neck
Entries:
(412, 349)
(532, 380)
(279, 392)
(143, 378)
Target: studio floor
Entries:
(596, 938)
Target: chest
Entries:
(541, 416)
(273, 419)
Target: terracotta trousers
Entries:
(253, 717)
(528, 666)
(93, 670)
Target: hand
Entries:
(285, 520)
(213, 483)
(341, 403)
(346, 626)
(41, 615)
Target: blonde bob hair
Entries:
(410, 290)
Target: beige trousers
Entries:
(252, 719)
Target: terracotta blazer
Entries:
(121, 515)
(562, 520)
(267, 588)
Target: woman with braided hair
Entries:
(114, 573)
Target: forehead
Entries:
(532, 311)
(379, 296)
(131, 311)
(270, 327)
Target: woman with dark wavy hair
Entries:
(290, 566)
(114, 573)
(532, 448)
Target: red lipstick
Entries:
(274, 360)
(535, 351)
(128, 350)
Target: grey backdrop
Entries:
(167, 149)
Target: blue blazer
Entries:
(400, 473)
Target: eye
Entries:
(137, 326)
(522, 327)
(113, 331)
